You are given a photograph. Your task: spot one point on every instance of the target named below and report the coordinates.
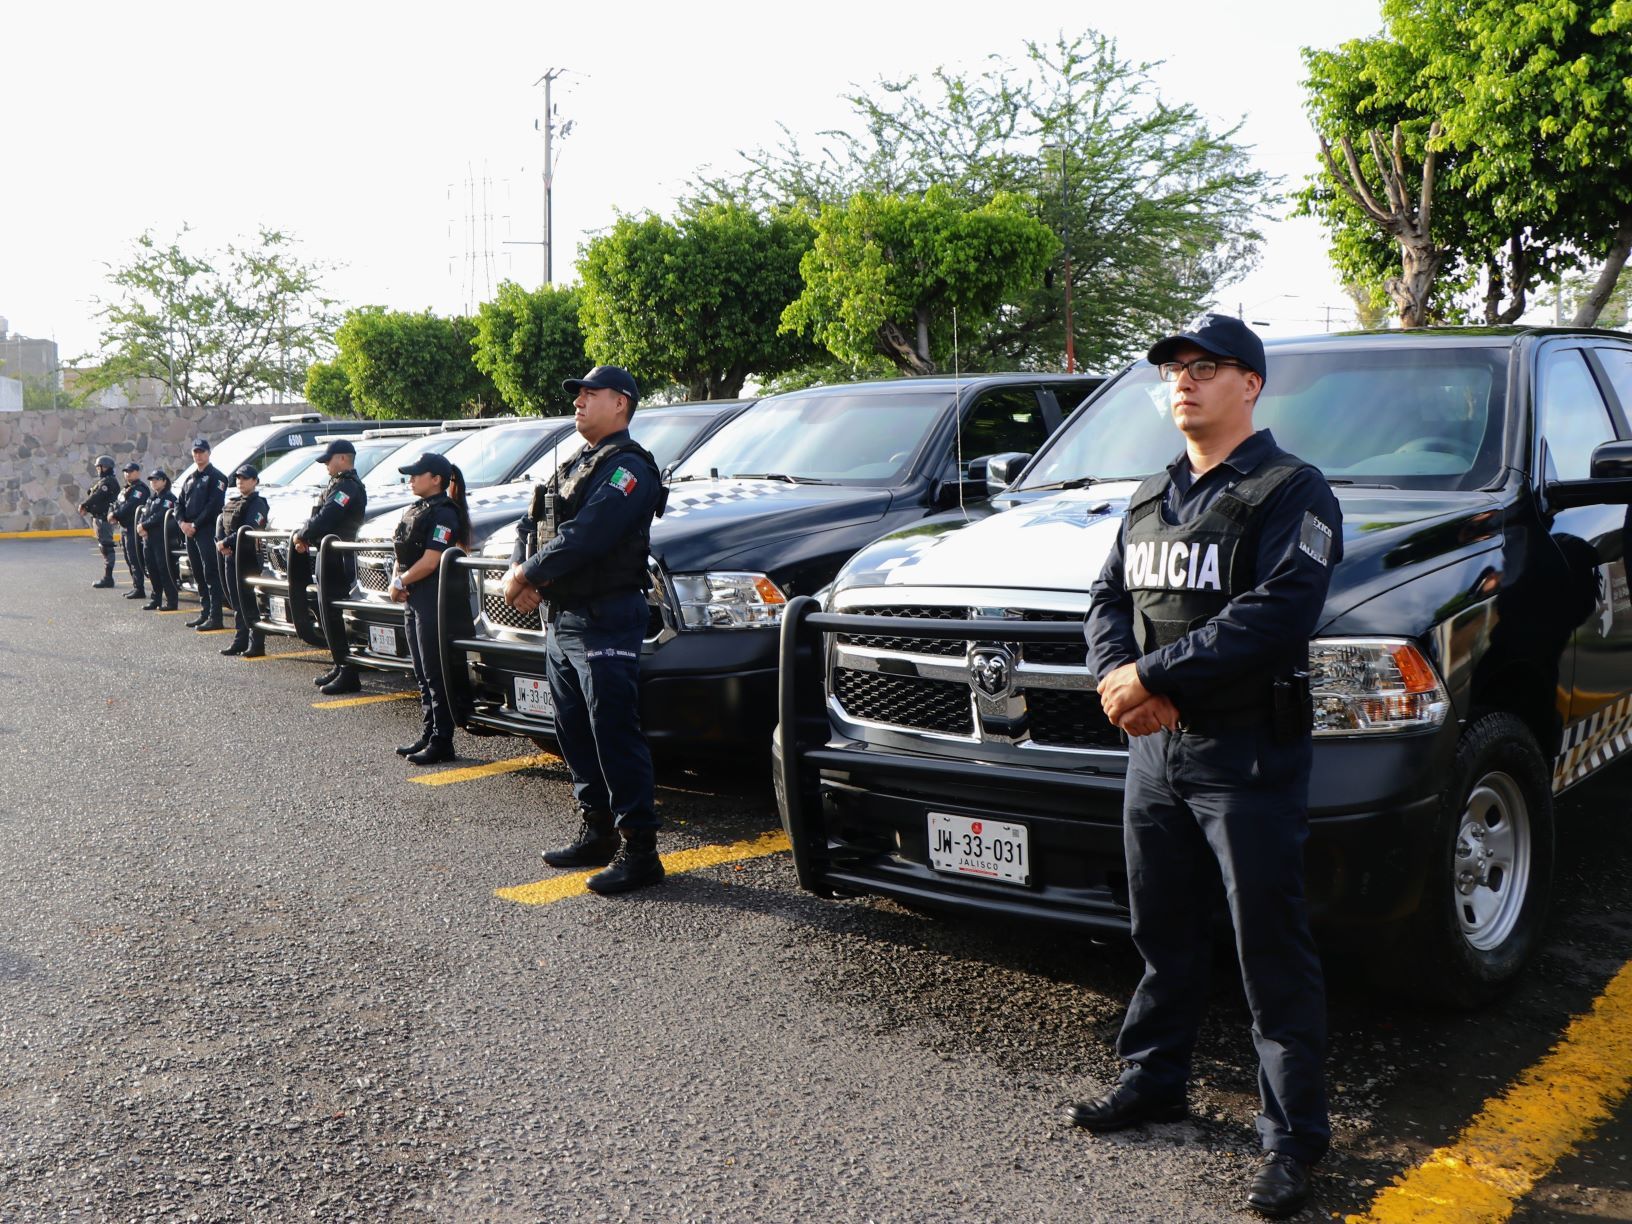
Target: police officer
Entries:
(246, 509)
(593, 526)
(99, 499)
(1199, 634)
(199, 500)
(338, 511)
(155, 549)
(428, 528)
(131, 499)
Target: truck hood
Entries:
(491, 509)
(1060, 541)
(709, 521)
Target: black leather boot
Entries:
(345, 681)
(596, 843)
(636, 865)
(237, 648)
(210, 622)
(327, 676)
(1280, 1187)
(105, 583)
(138, 593)
(257, 646)
(418, 745)
(434, 753)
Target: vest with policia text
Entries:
(622, 569)
(1180, 577)
(413, 534)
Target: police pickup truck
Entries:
(941, 741)
(368, 628)
(767, 508)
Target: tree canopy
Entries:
(213, 328)
(527, 342)
(401, 365)
(695, 302)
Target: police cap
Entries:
(1219, 334)
(201, 444)
(158, 474)
(247, 471)
(132, 466)
(428, 464)
(338, 447)
(612, 378)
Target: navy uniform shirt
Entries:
(338, 500)
(441, 534)
(201, 496)
(610, 511)
(1253, 630)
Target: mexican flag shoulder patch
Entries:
(623, 480)
(342, 500)
(441, 535)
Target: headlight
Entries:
(1371, 686)
(728, 601)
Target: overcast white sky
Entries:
(372, 131)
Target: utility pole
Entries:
(1065, 238)
(548, 125)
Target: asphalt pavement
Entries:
(250, 969)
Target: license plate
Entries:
(277, 609)
(533, 696)
(990, 849)
(382, 639)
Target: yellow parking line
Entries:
(1518, 1137)
(444, 777)
(61, 534)
(343, 702)
(174, 611)
(559, 888)
(208, 631)
(290, 654)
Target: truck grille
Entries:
(374, 573)
(498, 612)
(906, 701)
(274, 557)
(926, 685)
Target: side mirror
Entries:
(1002, 469)
(1610, 482)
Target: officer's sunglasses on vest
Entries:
(1202, 369)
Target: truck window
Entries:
(1573, 418)
(1618, 365)
(1069, 395)
(1006, 420)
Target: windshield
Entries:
(1408, 418)
(667, 434)
(234, 451)
(491, 455)
(386, 476)
(287, 467)
(865, 438)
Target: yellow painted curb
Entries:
(1518, 1137)
(445, 777)
(343, 702)
(559, 888)
(290, 654)
(63, 534)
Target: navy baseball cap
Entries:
(1219, 334)
(158, 474)
(612, 378)
(131, 467)
(247, 471)
(429, 464)
(202, 444)
(338, 447)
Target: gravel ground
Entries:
(248, 970)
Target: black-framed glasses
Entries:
(1201, 368)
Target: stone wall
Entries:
(46, 457)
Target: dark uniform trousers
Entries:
(158, 564)
(1229, 808)
(132, 544)
(104, 539)
(593, 665)
(241, 600)
(201, 557)
(425, 647)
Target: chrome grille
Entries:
(274, 557)
(1069, 719)
(374, 573)
(906, 701)
(906, 644)
(1067, 654)
(498, 612)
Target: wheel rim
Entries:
(1490, 866)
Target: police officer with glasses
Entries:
(131, 499)
(592, 525)
(248, 509)
(338, 511)
(431, 526)
(1199, 635)
(199, 500)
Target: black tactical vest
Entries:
(238, 511)
(414, 529)
(351, 514)
(160, 504)
(130, 501)
(1181, 577)
(623, 568)
(99, 498)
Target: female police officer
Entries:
(247, 509)
(150, 527)
(430, 526)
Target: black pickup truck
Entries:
(1474, 658)
(767, 508)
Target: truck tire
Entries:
(1489, 884)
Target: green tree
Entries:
(402, 365)
(696, 301)
(1160, 209)
(328, 390)
(887, 273)
(527, 342)
(212, 328)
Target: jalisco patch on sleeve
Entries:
(1315, 538)
(441, 535)
(623, 480)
